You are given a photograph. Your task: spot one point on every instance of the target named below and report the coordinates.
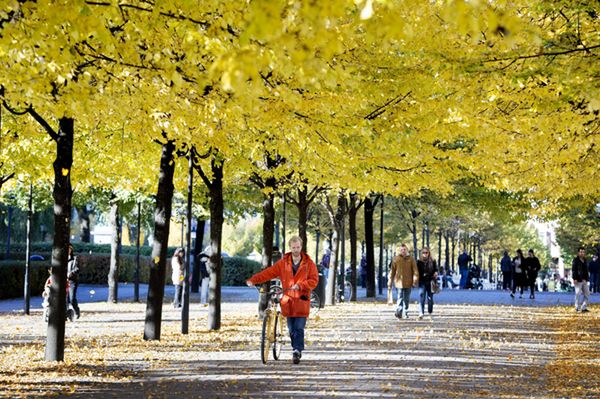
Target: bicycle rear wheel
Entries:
(278, 335)
(315, 303)
(266, 337)
(347, 291)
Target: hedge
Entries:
(17, 250)
(12, 276)
(94, 270)
(236, 270)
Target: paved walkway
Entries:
(358, 350)
(99, 293)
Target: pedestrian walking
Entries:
(73, 277)
(404, 276)
(204, 279)
(532, 267)
(594, 269)
(579, 268)
(519, 276)
(177, 276)
(427, 272)
(463, 268)
(506, 268)
(298, 274)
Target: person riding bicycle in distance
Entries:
(298, 274)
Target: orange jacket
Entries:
(294, 303)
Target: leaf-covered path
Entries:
(359, 350)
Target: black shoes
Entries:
(584, 310)
(296, 356)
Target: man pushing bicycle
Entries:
(298, 275)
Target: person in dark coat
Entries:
(594, 269)
(73, 277)
(518, 272)
(579, 268)
(532, 268)
(506, 268)
(427, 272)
(463, 268)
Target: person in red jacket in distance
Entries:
(298, 274)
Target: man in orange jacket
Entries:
(298, 275)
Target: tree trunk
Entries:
(353, 242)
(8, 231)
(113, 271)
(427, 234)
(337, 221)
(439, 262)
(452, 258)
(62, 192)
(200, 223)
(447, 239)
(380, 289)
(136, 278)
(370, 247)
(302, 206)
(185, 309)
(162, 219)
(27, 290)
(216, 231)
(414, 215)
(267, 248)
(84, 223)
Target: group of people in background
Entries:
(407, 274)
(520, 272)
(177, 277)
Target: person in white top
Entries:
(177, 276)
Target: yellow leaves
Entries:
(65, 172)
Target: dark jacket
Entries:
(532, 266)
(594, 266)
(506, 264)
(463, 260)
(73, 269)
(580, 270)
(426, 275)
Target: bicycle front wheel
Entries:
(266, 337)
(278, 335)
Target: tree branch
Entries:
(539, 55)
(381, 109)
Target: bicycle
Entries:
(272, 336)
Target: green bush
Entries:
(17, 250)
(236, 270)
(12, 276)
(94, 268)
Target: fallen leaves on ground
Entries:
(353, 349)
